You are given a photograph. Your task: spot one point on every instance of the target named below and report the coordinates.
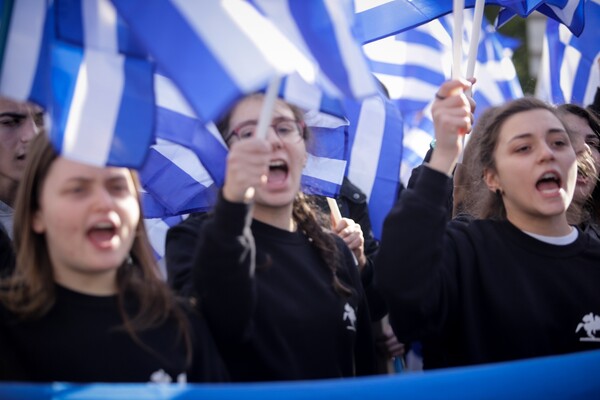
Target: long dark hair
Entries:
(492, 204)
(304, 211)
(30, 291)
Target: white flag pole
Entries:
(474, 44)
(267, 108)
(458, 7)
(264, 120)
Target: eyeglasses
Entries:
(288, 130)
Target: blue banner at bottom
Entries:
(572, 376)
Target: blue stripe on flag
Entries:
(376, 136)
(25, 51)
(133, 132)
(193, 134)
(66, 61)
(321, 187)
(409, 70)
(183, 55)
(103, 106)
(327, 32)
(172, 188)
(71, 21)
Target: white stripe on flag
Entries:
(217, 26)
(185, 159)
(566, 13)
(367, 144)
(568, 70)
(326, 169)
(100, 25)
(169, 97)
(157, 234)
(22, 48)
(354, 60)
(94, 108)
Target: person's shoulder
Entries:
(191, 223)
(351, 192)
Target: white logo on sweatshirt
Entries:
(591, 324)
(162, 377)
(350, 315)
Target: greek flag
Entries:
(214, 51)
(413, 64)
(187, 158)
(377, 19)
(103, 101)
(376, 132)
(569, 71)
(323, 31)
(26, 27)
(567, 12)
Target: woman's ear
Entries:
(37, 222)
(491, 180)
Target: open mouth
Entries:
(102, 233)
(549, 183)
(278, 171)
(21, 157)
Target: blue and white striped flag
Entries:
(413, 64)
(26, 28)
(569, 71)
(103, 106)
(327, 154)
(376, 133)
(214, 51)
(570, 13)
(189, 158)
(323, 31)
(378, 19)
(95, 24)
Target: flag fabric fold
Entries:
(569, 71)
(413, 64)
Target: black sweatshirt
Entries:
(283, 321)
(485, 290)
(82, 339)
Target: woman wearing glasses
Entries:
(281, 295)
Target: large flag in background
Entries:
(570, 13)
(376, 133)
(569, 70)
(413, 64)
(377, 19)
(323, 31)
(25, 28)
(214, 51)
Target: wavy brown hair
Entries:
(30, 291)
(304, 211)
(492, 204)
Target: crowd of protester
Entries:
(492, 259)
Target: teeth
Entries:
(278, 163)
(549, 175)
(103, 225)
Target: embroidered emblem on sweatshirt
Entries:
(162, 377)
(350, 315)
(590, 323)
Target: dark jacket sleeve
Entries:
(411, 277)
(223, 270)
(180, 248)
